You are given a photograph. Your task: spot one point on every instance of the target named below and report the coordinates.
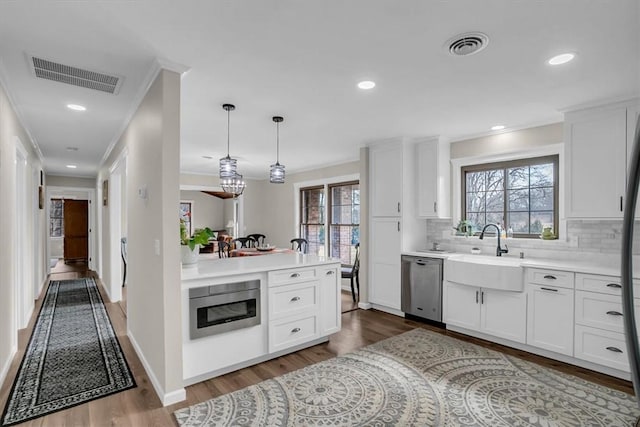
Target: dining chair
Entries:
(224, 249)
(123, 254)
(259, 238)
(300, 245)
(245, 242)
(353, 272)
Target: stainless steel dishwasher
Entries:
(422, 287)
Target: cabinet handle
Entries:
(614, 313)
(550, 277)
(435, 206)
(398, 207)
(295, 330)
(295, 275)
(398, 225)
(482, 297)
(614, 285)
(549, 289)
(294, 299)
(621, 204)
(477, 297)
(330, 272)
(614, 349)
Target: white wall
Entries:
(152, 141)
(206, 211)
(10, 129)
(70, 181)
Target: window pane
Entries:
(56, 228)
(542, 199)
(518, 177)
(475, 181)
(518, 200)
(476, 219)
(495, 201)
(494, 218)
(475, 202)
(356, 214)
(519, 222)
(542, 175)
(539, 220)
(495, 180)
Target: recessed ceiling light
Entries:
(72, 166)
(76, 107)
(497, 127)
(72, 148)
(563, 58)
(366, 84)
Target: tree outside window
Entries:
(56, 218)
(521, 195)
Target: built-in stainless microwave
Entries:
(222, 308)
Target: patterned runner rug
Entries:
(419, 378)
(73, 355)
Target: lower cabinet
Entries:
(384, 280)
(498, 313)
(550, 318)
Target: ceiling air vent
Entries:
(467, 44)
(50, 70)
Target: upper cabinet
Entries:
(433, 178)
(597, 141)
(386, 180)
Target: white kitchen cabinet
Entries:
(550, 318)
(386, 180)
(433, 178)
(497, 313)
(597, 141)
(385, 262)
(330, 313)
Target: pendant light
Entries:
(230, 180)
(228, 166)
(277, 170)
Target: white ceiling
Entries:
(302, 59)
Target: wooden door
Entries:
(76, 230)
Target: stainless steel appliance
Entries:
(422, 287)
(222, 308)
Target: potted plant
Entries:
(190, 245)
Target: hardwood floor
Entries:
(141, 407)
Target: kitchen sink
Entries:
(491, 272)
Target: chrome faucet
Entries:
(499, 250)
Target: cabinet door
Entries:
(386, 180)
(596, 163)
(461, 305)
(385, 262)
(330, 310)
(504, 314)
(550, 318)
(433, 179)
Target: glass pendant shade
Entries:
(233, 185)
(276, 175)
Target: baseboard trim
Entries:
(365, 305)
(7, 364)
(166, 398)
(388, 310)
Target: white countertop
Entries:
(210, 268)
(551, 264)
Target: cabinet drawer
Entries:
(602, 347)
(288, 332)
(603, 284)
(601, 310)
(561, 279)
(287, 300)
(292, 275)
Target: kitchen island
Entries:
(241, 311)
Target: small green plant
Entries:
(200, 237)
(464, 228)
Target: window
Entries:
(523, 194)
(185, 215)
(312, 205)
(344, 228)
(56, 218)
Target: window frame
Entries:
(505, 164)
(302, 224)
(329, 188)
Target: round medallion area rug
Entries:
(419, 378)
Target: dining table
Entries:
(256, 251)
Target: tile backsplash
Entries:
(585, 239)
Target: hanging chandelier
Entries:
(276, 176)
(234, 185)
(228, 166)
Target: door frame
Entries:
(23, 271)
(78, 193)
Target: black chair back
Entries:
(224, 249)
(245, 242)
(259, 238)
(300, 245)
